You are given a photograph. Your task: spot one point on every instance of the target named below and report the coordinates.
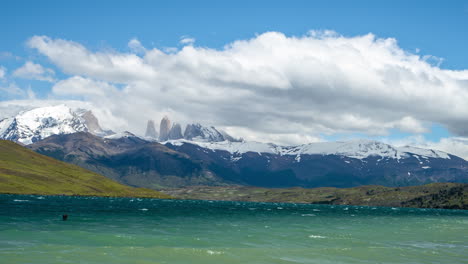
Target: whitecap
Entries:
(308, 215)
(17, 200)
(143, 209)
(40, 198)
(316, 210)
(279, 208)
(212, 252)
(316, 236)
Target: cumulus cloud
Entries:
(80, 86)
(274, 86)
(187, 40)
(136, 46)
(33, 71)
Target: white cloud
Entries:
(411, 125)
(11, 90)
(187, 40)
(136, 47)
(8, 56)
(79, 86)
(273, 86)
(34, 71)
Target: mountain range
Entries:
(202, 155)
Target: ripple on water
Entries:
(223, 232)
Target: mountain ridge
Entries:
(138, 162)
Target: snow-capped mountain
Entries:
(358, 149)
(197, 132)
(145, 163)
(33, 125)
(325, 164)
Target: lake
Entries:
(126, 230)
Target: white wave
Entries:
(316, 236)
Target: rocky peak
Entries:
(91, 122)
(200, 133)
(164, 129)
(176, 132)
(151, 130)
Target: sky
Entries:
(288, 72)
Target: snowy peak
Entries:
(198, 132)
(30, 126)
(358, 149)
(125, 134)
(430, 153)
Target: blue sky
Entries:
(422, 28)
(435, 27)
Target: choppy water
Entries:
(141, 231)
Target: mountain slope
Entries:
(23, 171)
(129, 160)
(329, 164)
(137, 162)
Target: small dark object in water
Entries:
(64, 217)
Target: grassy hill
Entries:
(434, 195)
(23, 171)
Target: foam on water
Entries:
(119, 230)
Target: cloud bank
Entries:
(271, 87)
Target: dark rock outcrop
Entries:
(176, 132)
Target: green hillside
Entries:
(22, 171)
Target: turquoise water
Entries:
(125, 230)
